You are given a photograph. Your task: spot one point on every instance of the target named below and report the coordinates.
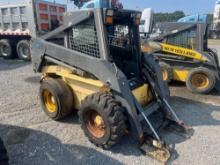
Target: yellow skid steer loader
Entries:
(101, 72)
(185, 56)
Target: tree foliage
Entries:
(79, 2)
(210, 18)
(168, 17)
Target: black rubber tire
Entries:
(3, 154)
(112, 114)
(9, 54)
(167, 67)
(24, 54)
(63, 97)
(210, 75)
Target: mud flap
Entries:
(156, 150)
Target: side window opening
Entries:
(83, 38)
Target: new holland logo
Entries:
(179, 51)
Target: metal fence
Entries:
(118, 36)
(83, 38)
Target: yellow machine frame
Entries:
(83, 86)
(181, 74)
(183, 52)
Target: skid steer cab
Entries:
(185, 56)
(101, 72)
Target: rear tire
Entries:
(23, 50)
(3, 154)
(56, 98)
(6, 49)
(110, 127)
(201, 80)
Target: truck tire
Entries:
(167, 72)
(6, 49)
(56, 98)
(200, 80)
(3, 154)
(102, 119)
(23, 50)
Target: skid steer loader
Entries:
(185, 56)
(101, 72)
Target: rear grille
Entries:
(185, 39)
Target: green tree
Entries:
(168, 17)
(210, 18)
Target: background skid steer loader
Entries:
(101, 72)
(185, 56)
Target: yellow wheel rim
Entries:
(49, 101)
(95, 124)
(165, 74)
(200, 81)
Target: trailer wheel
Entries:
(6, 49)
(167, 72)
(56, 98)
(23, 50)
(3, 154)
(102, 119)
(200, 80)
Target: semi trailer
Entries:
(146, 22)
(21, 20)
(214, 30)
(216, 22)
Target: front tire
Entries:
(56, 98)
(102, 119)
(6, 49)
(201, 80)
(23, 50)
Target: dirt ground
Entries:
(214, 42)
(32, 138)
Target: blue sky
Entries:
(188, 6)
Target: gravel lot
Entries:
(32, 138)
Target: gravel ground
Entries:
(32, 138)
